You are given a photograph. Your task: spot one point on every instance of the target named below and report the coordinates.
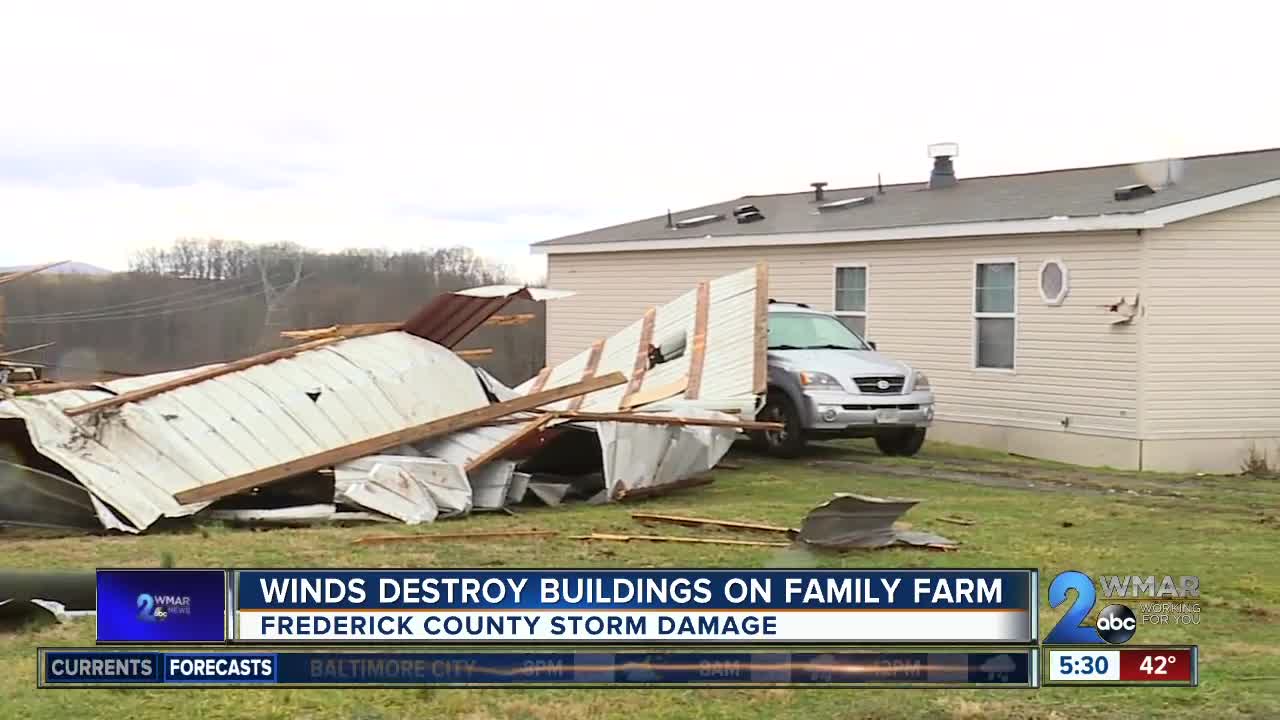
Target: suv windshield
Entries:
(808, 331)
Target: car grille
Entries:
(881, 385)
(881, 407)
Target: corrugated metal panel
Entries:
(450, 317)
(642, 456)
(137, 459)
(727, 378)
(490, 481)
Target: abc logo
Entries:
(1116, 624)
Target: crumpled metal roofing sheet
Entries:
(640, 456)
(728, 370)
(450, 317)
(136, 459)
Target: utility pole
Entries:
(274, 319)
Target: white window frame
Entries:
(1066, 282)
(973, 304)
(866, 292)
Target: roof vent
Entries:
(944, 174)
(749, 217)
(1133, 192)
(817, 190)
(846, 203)
(699, 220)
(743, 209)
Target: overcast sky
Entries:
(496, 124)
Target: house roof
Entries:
(1057, 200)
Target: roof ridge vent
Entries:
(699, 220)
(1133, 192)
(846, 203)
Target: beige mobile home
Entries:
(1126, 315)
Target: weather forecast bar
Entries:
(101, 667)
(1134, 665)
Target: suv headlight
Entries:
(818, 380)
(922, 381)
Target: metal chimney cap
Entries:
(818, 185)
(944, 149)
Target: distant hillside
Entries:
(71, 268)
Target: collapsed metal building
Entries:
(389, 421)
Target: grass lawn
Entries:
(1029, 514)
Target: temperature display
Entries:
(1124, 666)
(1156, 665)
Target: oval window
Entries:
(1053, 282)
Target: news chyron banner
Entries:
(331, 607)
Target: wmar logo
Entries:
(1116, 623)
(147, 610)
(154, 608)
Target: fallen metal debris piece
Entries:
(427, 537)
(957, 521)
(677, 539)
(410, 489)
(297, 515)
(519, 487)
(699, 521)
(861, 521)
(450, 317)
(490, 485)
(550, 493)
(34, 498)
(74, 590)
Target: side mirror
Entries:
(871, 344)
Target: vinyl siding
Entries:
(1211, 348)
(1070, 362)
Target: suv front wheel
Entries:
(790, 440)
(901, 442)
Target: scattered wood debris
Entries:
(32, 348)
(30, 271)
(476, 353)
(652, 395)
(699, 521)
(678, 539)
(644, 419)
(427, 537)
(509, 320)
(343, 331)
(623, 494)
(957, 521)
